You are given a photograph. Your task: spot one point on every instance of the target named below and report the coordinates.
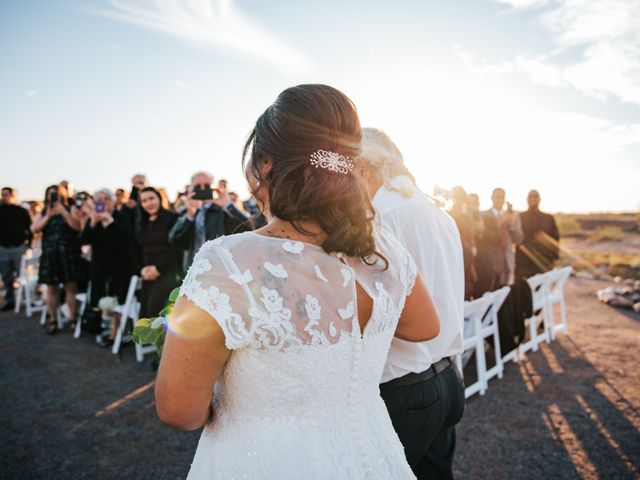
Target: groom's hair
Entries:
(303, 120)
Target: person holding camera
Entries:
(15, 237)
(111, 259)
(207, 216)
(60, 260)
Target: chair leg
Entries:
(19, 294)
(497, 352)
(43, 316)
(117, 342)
(563, 316)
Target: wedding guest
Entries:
(122, 213)
(160, 263)
(15, 238)
(540, 247)
(502, 232)
(60, 260)
(458, 212)
(206, 219)
(111, 261)
(420, 385)
(485, 277)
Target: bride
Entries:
(295, 319)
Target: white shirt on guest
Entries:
(431, 236)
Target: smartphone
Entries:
(99, 207)
(202, 193)
(53, 197)
(509, 208)
(134, 194)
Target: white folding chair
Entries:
(556, 297)
(489, 328)
(28, 274)
(539, 285)
(83, 299)
(473, 342)
(130, 310)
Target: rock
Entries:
(585, 275)
(636, 307)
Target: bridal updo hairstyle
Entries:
(303, 120)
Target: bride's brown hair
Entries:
(302, 120)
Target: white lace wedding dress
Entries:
(299, 395)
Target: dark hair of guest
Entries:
(302, 120)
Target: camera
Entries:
(202, 193)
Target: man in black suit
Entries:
(206, 220)
(540, 247)
(502, 231)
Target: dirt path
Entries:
(69, 409)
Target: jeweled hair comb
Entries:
(331, 161)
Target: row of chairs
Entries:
(25, 295)
(481, 323)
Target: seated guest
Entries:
(540, 247)
(160, 261)
(111, 260)
(60, 261)
(207, 218)
(15, 237)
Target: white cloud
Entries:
(207, 24)
(607, 32)
(180, 83)
(31, 93)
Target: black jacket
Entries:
(15, 226)
(217, 222)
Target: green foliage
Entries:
(152, 331)
(568, 226)
(609, 232)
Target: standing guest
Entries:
(60, 260)
(206, 219)
(35, 207)
(15, 237)
(160, 264)
(458, 212)
(540, 247)
(481, 262)
(501, 233)
(138, 182)
(122, 213)
(110, 242)
(420, 385)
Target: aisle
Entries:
(570, 410)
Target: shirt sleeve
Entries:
(210, 285)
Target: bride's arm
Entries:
(193, 356)
(419, 320)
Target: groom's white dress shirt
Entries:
(431, 236)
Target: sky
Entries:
(520, 94)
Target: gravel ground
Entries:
(70, 409)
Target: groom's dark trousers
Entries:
(424, 409)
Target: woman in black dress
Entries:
(60, 260)
(160, 262)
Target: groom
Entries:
(420, 385)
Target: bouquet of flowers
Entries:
(107, 305)
(152, 331)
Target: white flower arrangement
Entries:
(107, 305)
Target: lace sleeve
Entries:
(214, 285)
